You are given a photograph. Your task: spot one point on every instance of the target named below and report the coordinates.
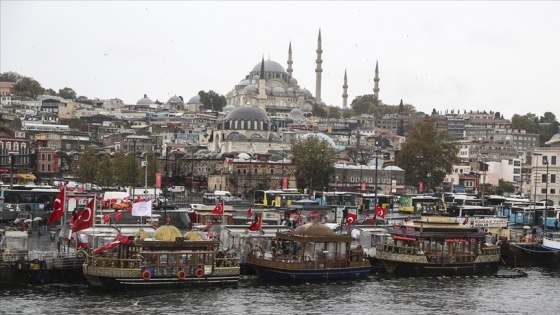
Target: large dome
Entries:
(144, 101)
(167, 233)
(269, 66)
(247, 112)
(314, 229)
(194, 100)
(175, 99)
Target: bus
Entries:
(338, 198)
(385, 201)
(268, 198)
(419, 203)
(30, 199)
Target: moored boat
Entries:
(551, 241)
(312, 252)
(166, 258)
(435, 245)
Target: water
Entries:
(535, 294)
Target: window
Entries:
(553, 160)
(553, 191)
(543, 178)
(553, 178)
(543, 190)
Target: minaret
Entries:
(262, 91)
(376, 84)
(318, 71)
(290, 62)
(345, 91)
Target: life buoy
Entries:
(199, 273)
(181, 274)
(146, 275)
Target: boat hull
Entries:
(438, 270)
(520, 254)
(131, 278)
(274, 274)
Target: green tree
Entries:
(319, 111)
(122, 169)
(105, 176)
(348, 114)
(362, 104)
(334, 112)
(427, 151)
(10, 77)
(50, 92)
(67, 93)
(503, 187)
(87, 166)
(28, 87)
(315, 160)
(212, 100)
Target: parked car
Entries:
(160, 204)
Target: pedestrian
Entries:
(556, 224)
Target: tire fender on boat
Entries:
(499, 243)
(146, 275)
(199, 272)
(181, 274)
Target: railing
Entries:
(114, 262)
(52, 260)
(438, 258)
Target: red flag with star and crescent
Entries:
(249, 213)
(58, 207)
(85, 217)
(255, 226)
(380, 211)
(351, 218)
(219, 208)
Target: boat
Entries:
(312, 252)
(551, 241)
(527, 249)
(20, 267)
(165, 258)
(436, 245)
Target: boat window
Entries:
(209, 258)
(190, 258)
(152, 259)
(183, 259)
(200, 258)
(163, 259)
(172, 260)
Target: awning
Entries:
(27, 176)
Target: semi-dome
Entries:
(290, 91)
(278, 90)
(250, 88)
(247, 112)
(320, 136)
(269, 66)
(268, 90)
(194, 100)
(193, 235)
(244, 82)
(167, 233)
(228, 108)
(144, 101)
(314, 228)
(256, 77)
(293, 81)
(142, 234)
(175, 99)
(244, 156)
(305, 91)
(296, 112)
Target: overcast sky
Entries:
(502, 56)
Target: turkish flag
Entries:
(85, 217)
(351, 218)
(380, 212)
(219, 208)
(255, 226)
(407, 219)
(118, 216)
(466, 220)
(58, 207)
(106, 218)
(249, 213)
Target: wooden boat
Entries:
(166, 258)
(436, 245)
(312, 252)
(551, 241)
(522, 248)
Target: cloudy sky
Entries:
(502, 56)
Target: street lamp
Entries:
(429, 175)
(12, 161)
(545, 196)
(535, 189)
(376, 167)
(145, 166)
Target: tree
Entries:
(348, 114)
(105, 172)
(212, 100)
(67, 93)
(50, 92)
(10, 77)
(87, 166)
(28, 87)
(504, 186)
(315, 159)
(319, 111)
(334, 112)
(427, 151)
(362, 104)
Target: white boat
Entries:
(551, 241)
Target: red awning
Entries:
(404, 238)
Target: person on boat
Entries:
(344, 215)
(556, 224)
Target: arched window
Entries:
(16, 146)
(271, 171)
